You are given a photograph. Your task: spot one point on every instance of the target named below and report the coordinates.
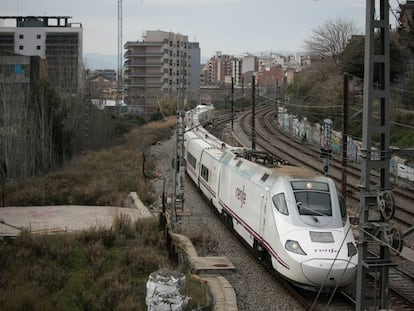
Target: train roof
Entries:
(264, 174)
(295, 171)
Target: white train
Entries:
(292, 217)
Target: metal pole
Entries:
(232, 102)
(242, 94)
(253, 112)
(119, 84)
(277, 98)
(345, 136)
(374, 133)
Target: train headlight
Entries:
(294, 247)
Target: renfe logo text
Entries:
(241, 195)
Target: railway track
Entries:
(309, 300)
(268, 133)
(401, 282)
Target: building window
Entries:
(20, 47)
(21, 36)
(37, 47)
(38, 36)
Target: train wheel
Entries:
(267, 260)
(258, 250)
(228, 220)
(262, 254)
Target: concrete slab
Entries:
(223, 292)
(59, 218)
(205, 265)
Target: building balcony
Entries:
(134, 85)
(144, 75)
(130, 44)
(131, 64)
(129, 54)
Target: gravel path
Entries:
(255, 289)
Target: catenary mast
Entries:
(376, 199)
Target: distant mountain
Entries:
(95, 61)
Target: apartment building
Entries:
(53, 39)
(220, 68)
(237, 64)
(249, 63)
(162, 65)
(18, 74)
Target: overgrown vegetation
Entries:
(317, 91)
(98, 269)
(96, 178)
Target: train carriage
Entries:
(193, 151)
(292, 217)
(209, 173)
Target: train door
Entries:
(263, 212)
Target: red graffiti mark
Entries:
(36, 214)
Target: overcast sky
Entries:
(231, 26)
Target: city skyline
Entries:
(231, 26)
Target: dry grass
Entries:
(92, 270)
(97, 178)
(98, 269)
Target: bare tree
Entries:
(331, 39)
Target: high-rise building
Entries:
(220, 68)
(194, 67)
(237, 71)
(159, 66)
(249, 63)
(51, 38)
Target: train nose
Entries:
(340, 272)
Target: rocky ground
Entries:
(255, 289)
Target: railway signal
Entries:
(326, 141)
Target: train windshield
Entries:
(312, 198)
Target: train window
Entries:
(309, 185)
(204, 172)
(313, 203)
(280, 203)
(265, 177)
(192, 160)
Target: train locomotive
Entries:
(291, 217)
